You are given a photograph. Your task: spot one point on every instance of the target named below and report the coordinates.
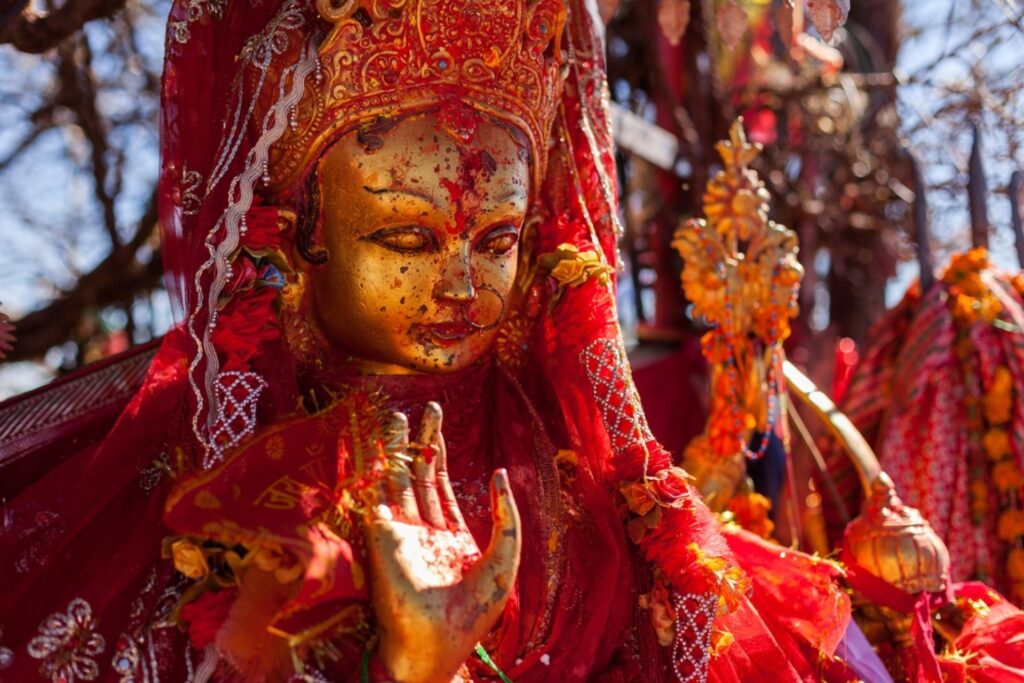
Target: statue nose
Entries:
(456, 282)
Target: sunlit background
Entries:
(79, 262)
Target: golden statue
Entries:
(400, 208)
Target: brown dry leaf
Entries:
(606, 8)
(6, 336)
(674, 17)
(732, 23)
(828, 15)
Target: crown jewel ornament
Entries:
(381, 57)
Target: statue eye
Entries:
(405, 240)
(500, 240)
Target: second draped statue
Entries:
(394, 436)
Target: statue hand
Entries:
(434, 593)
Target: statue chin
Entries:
(426, 357)
(425, 228)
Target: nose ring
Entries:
(501, 314)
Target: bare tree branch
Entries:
(35, 32)
(78, 93)
(117, 279)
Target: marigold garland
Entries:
(742, 275)
(989, 409)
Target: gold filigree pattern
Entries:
(501, 57)
(513, 342)
(67, 643)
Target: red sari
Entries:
(619, 552)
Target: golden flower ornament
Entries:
(189, 559)
(741, 269)
(571, 267)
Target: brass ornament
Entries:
(894, 543)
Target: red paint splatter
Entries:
(473, 166)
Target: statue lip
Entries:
(447, 332)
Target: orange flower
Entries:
(1011, 525)
(964, 307)
(1018, 283)
(997, 443)
(998, 407)
(978, 500)
(663, 614)
(1002, 378)
(751, 513)
(998, 400)
(638, 498)
(1015, 564)
(1007, 476)
(989, 307)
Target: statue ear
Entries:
(286, 221)
(287, 225)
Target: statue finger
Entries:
(424, 467)
(431, 434)
(495, 573)
(396, 464)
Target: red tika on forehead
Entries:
(385, 57)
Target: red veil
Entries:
(87, 594)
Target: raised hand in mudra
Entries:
(435, 595)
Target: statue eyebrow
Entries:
(514, 194)
(402, 190)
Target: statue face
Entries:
(422, 230)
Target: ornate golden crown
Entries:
(382, 57)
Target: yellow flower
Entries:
(189, 559)
(1007, 476)
(720, 641)
(570, 272)
(997, 443)
(572, 267)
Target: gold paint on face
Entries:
(422, 231)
